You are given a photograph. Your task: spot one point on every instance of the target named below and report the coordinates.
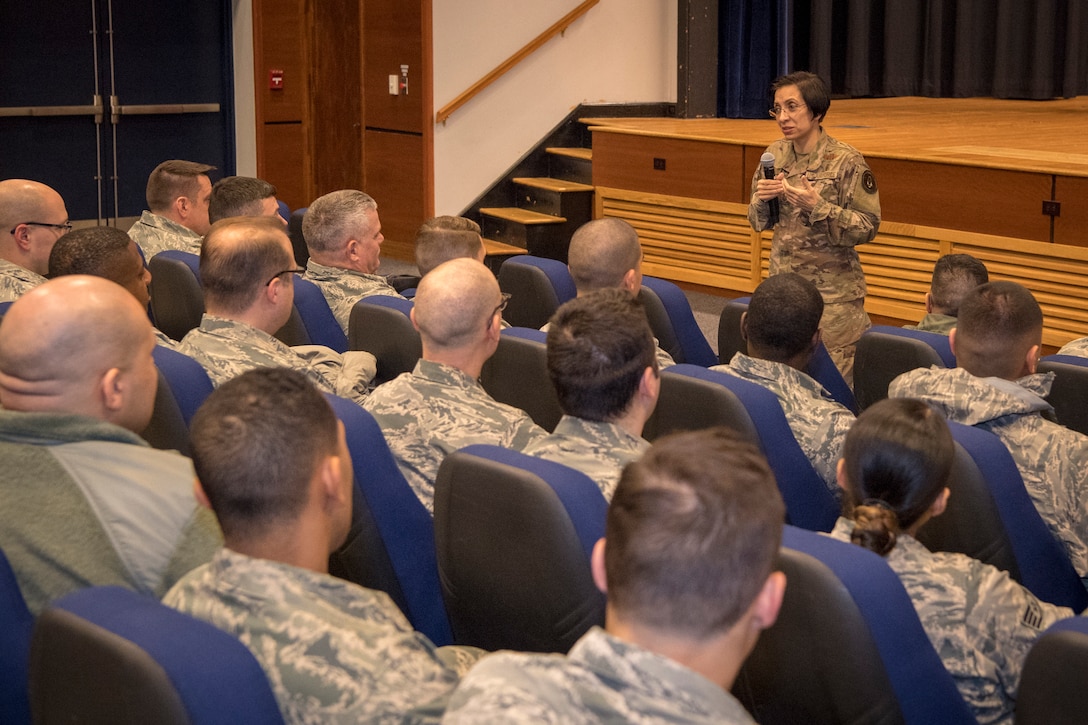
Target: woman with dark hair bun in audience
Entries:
(894, 471)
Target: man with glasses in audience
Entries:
(821, 202)
(247, 270)
(440, 406)
(32, 218)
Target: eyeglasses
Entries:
(502, 306)
(280, 274)
(790, 108)
(66, 226)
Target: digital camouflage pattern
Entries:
(161, 338)
(156, 234)
(333, 651)
(16, 281)
(603, 680)
(934, 322)
(436, 409)
(596, 448)
(1053, 460)
(1078, 348)
(819, 245)
(344, 287)
(817, 421)
(980, 621)
(227, 348)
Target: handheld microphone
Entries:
(767, 162)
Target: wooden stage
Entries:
(963, 175)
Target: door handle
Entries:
(158, 109)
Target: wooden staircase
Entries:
(546, 209)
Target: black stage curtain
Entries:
(1033, 49)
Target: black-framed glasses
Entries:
(790, 108)
(501, 306)
(294, 270)
(65, 227)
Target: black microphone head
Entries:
(767, 160)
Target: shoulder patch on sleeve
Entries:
(868, 181)
(1033, 615)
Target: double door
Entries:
(95, 93)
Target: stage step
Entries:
(539, 234)
(496, 252)
(571, 163)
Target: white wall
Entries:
(245, 114)
(622, 51)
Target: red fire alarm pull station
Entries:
(275, 79)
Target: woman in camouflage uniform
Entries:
(895, 468)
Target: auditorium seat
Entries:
(391, 543)
(16, 623)
(884, 353)
(517, 374)
(692, 403)
(380, 325)
(298, 241)
(1069, 394)
(1052, 688)
(847, 648)
(317, 317)
(177, 299)
(1041, 562)
(107, 654)
(821, 368)
(4, 308)
(809, 503)
(514, 535)
(673, 323)
(537, 287)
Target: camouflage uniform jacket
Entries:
(1078, 347)
(15, 281)
(436, 409)
(934, 322)
(981, 622)
(344, 287)
(603, 680)
(228, 348)
(819, 245)
(333, 651)
(817, 421)
(156, 234)
(88, 503)
(164, 340)
(1053, 460)
(596, 448)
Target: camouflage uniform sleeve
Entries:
(350, 374)
(1005, 620)
(848, 212)
(759, 212)
(503, 688)
(525, 432)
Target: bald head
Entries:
(455, 304)
(602, 253)
(81, 345)
(238, 258)
(27, 211)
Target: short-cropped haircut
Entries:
(172, 179)
(238, 196)
(783, 315)
(599, 346)
(692, 533)
(97, 251)
(997, 325)
(238, 257)
(256, 442)
(954, 275)
(444, 238)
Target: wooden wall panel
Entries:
(336, 106)
(988, 201)
(285, 161)
(697, 169)
(393, 35)
(394, 177)
(1072, 226)
(278, 43)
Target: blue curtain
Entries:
(754, 47)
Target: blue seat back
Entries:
(821, 368)
(850, 647)
(884, 353)
(517, 375)
(284, 210)
(107, 654)
(16, 623)
(537, 287)
(677, 325)
(381, 325)
(298, 241)
(177, 299)
(1044, 566)
(1069, 393)
(403, 524)
(514, 536)
(321, 325)
(188, 381)
(1052, 688)
(809, 504)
